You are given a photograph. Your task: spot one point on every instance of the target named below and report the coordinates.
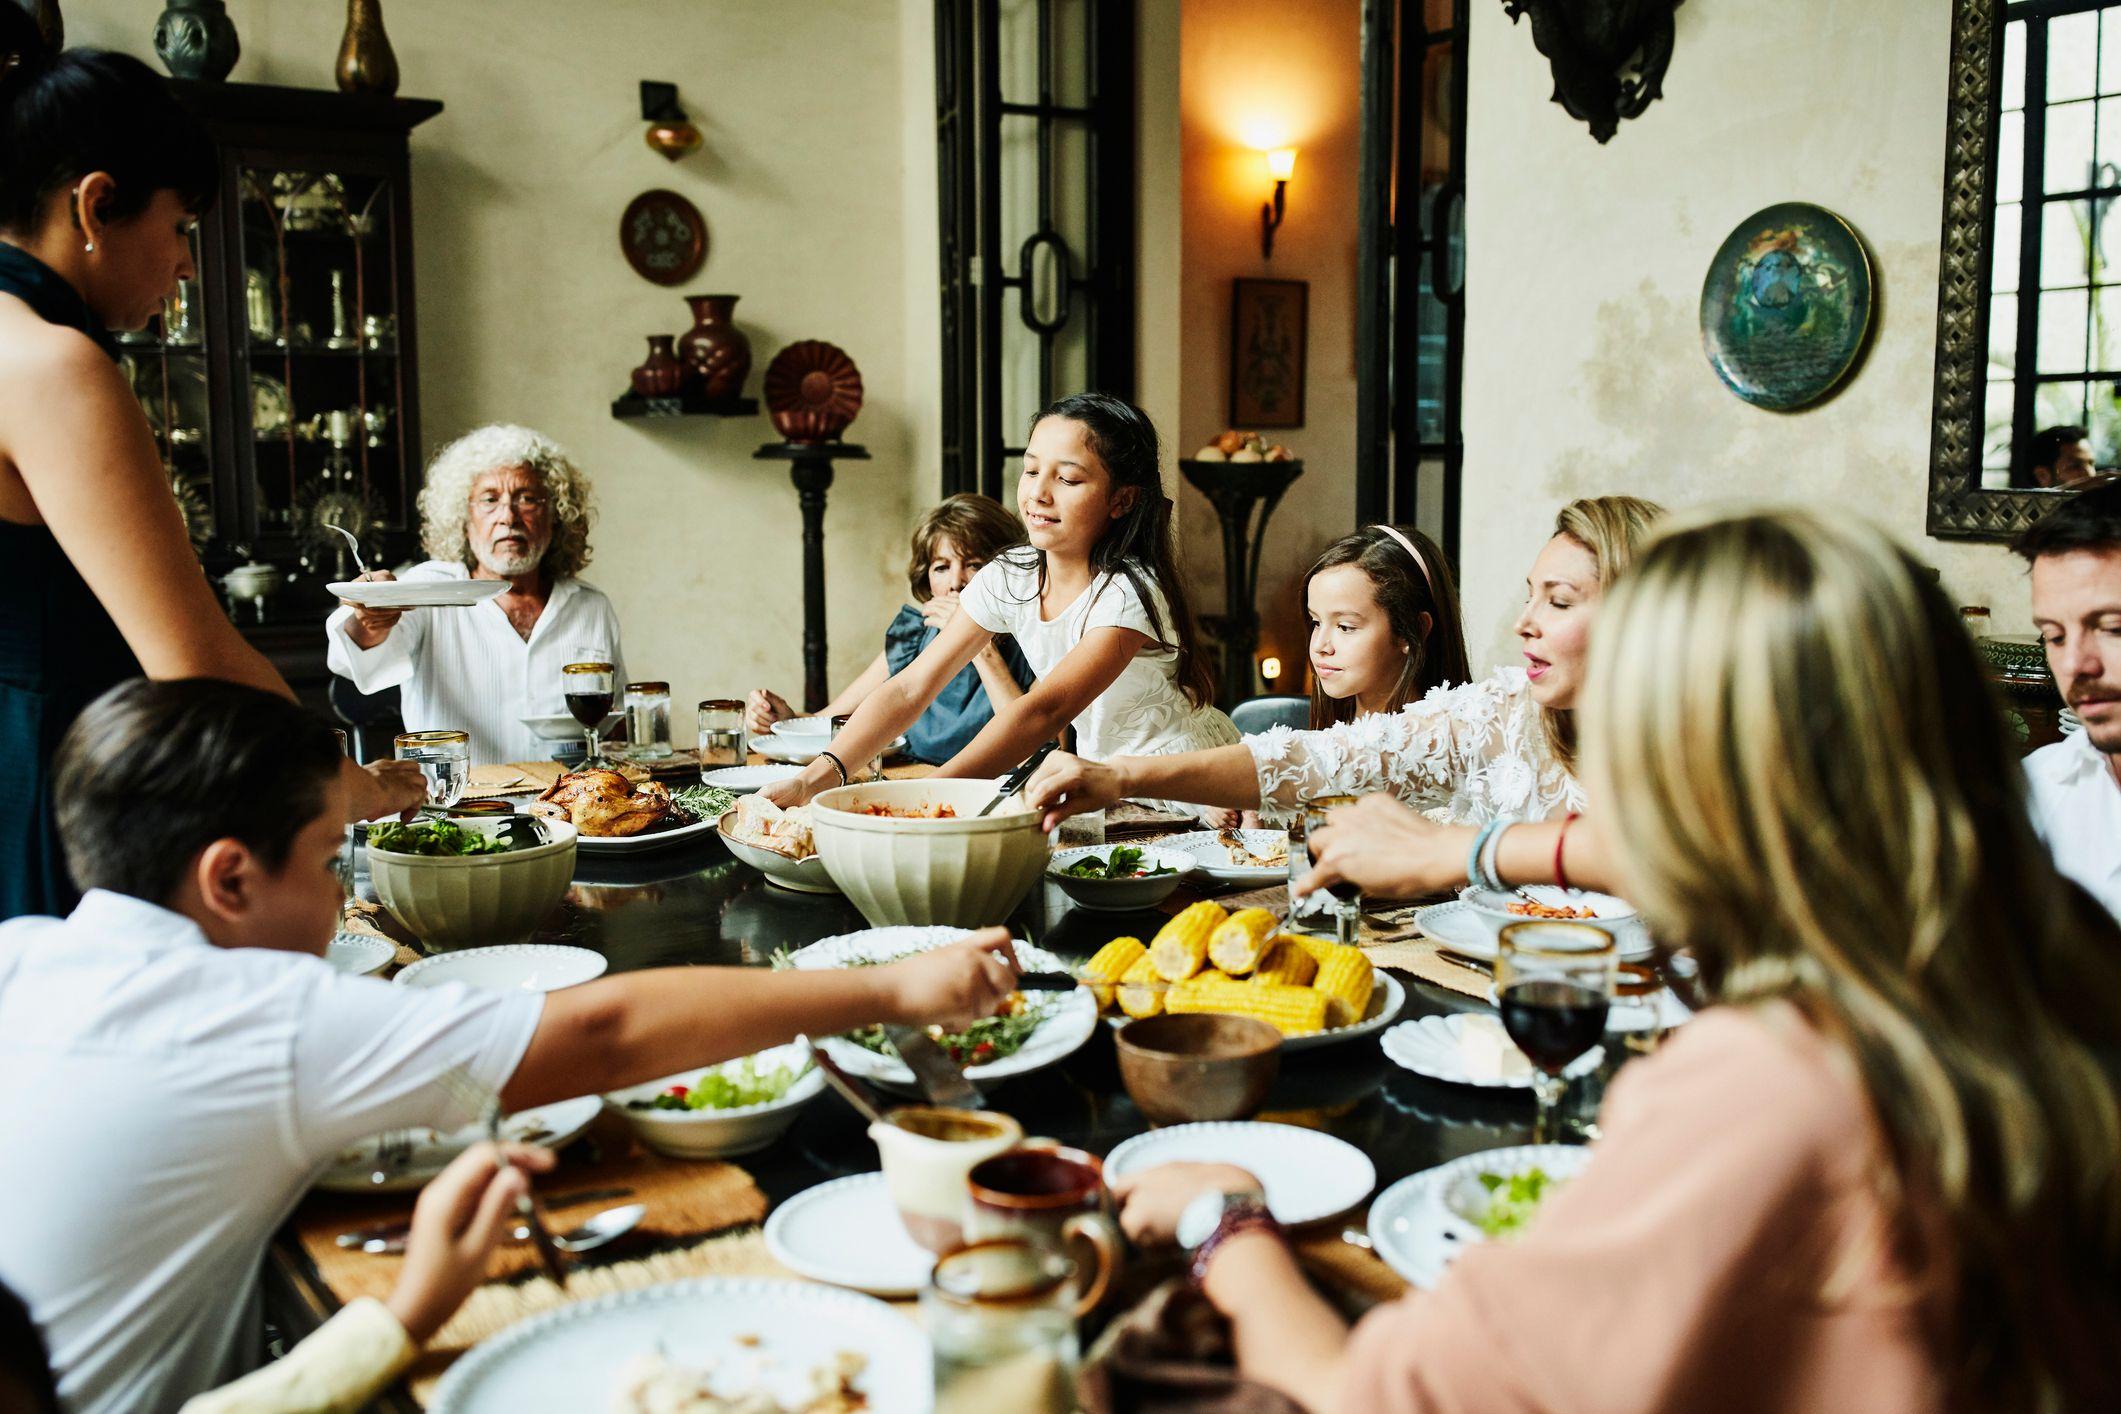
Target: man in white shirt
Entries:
(501, 503)
(181, 1063)
(2075, 553)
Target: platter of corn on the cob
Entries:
(1207, 959)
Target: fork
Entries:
(393, 1153)
(352, 544)
(486, 1103)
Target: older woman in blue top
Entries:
(949, 545)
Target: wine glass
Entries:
(1554, 982)
(445, 760)
(588, 686)
(1347, 897)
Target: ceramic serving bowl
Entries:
(1198, 1066)
(1119, 895)
(477, 900)
(707, 1134)
(806, 875)
(1608, 914)
(966, 871)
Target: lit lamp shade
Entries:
(1281, 163)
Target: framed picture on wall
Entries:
(1269, 333)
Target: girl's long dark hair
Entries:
(1136, 545)
(1405, 589)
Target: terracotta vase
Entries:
(197, 39)
(366, 62)
(715, 352)
(660, 375)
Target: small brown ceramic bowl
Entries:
(1198, 1066)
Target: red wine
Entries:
(589, 708)
(1553, 1022)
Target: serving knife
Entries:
(365, 1238)
(1015, 780)
(939, 1077)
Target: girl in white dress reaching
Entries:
(1093, 600)
(1503, 746)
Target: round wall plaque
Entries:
(1787, 305)
(664, 237)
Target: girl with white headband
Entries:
(1384, 624)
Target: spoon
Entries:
(605, 1227)
(352, 543)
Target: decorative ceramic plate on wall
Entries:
(664, 237)
(1787, 305)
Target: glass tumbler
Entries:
(444, 758)
(722, 740)
(1001, 1316)
(1342, 901)
(648, 719)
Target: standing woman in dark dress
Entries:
(102, 176)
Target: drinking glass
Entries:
(1554, 983)
(867, 770)
(343, 866)
(648, 719)
(445, 760)
(1001, 1315)
(722, 740)
(588, 689)
(1346, 897)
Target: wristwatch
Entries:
(1199, 1219)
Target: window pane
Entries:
(2062, 325)
(2103, 417)
(2010, 157)
(2061, 405)
(2106, 329)
(1996, 424)
(2110, 132)
(2069, 146)
(2109, 52)
(2003, 336)
(2064, 227)
(2072, 56)
(2013, 76)
(2003, 249)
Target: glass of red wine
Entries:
(589, 691)
(1554, 982)
(1347, 897)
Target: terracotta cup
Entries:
(1049, 1195)
(927, 1153)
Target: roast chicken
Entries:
(603, 803)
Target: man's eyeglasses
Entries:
(490, 501)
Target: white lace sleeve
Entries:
(1421, 753)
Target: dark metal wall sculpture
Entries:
(1608, 56)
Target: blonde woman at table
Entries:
(1093, 601)
(102, 178)
(1883, 1173)
(1501, 747)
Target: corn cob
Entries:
(1141, 1001)
(1344, 980)
(1290, 1010)
(1236, 946)
(1181, 945)
(1284, 964)
(1319, 949)
(1110, 964)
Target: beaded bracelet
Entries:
(1247, 1217)
(1480, 842)
(1489, 874)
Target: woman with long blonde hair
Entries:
(1481, 751)
(1884, 1173)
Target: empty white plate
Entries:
(1438, 1047)
(1307, 1175)
(848, 1233)
(359, 954)
(801, 750)
(418, 593)
(1219, 862)
(520, 967)
(743, 780)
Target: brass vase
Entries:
(366, 63)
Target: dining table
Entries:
(694, 904)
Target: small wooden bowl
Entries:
(1198, 1066)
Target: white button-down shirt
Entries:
(166, 1103)
(470, 670)
(2077, 806)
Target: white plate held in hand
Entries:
(1307, 1175)
(418, 593)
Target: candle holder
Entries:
(1236, 490)
(811, 471)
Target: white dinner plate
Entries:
(549, 1125)
(646, 843)
(1417, 1236)
(564, 727)
(1213, 856)
(1387, 996)
(847, 1232)
(802, 750)
(1435, 1046)
(1071, 1017)
(1307, 1175)
(518, 967)
(418, 593)
(1458, 927)
(359, 954)
(743, 780)
(762, 1336)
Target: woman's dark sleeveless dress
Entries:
(58, 650)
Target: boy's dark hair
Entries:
(25, 1368)
(153, 772)
(65, 115)
(2085, 519)
(2045, 446)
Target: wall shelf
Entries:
(633, 405)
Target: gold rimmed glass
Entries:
(1554, 985)
(588, 687)
(1347, 897)
(721, 733)
(444, 758)
(648, 720)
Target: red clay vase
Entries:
(660, 374)
(716, 355)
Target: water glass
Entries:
(1342, 900)
(1001, 1316)
(648, 719)
(445, 760)
(587, 687)
(872, 770)
(722, 740)
(1554, 984)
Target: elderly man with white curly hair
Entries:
(506, 503)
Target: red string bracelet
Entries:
(1561, 875)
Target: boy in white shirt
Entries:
(181, 1063)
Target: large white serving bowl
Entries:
(967, 872)
(1613, 916)
(519, 967)
(478, 900)
(707, 1134)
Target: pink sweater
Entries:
(1722, 1253)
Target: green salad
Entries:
(697, 803)
(991, 1038)
(1512, 1199)
(1125, 863)
(435, 837)
(728, 1086)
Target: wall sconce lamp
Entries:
(670, 132)
(1270, 669)
(1281, 162)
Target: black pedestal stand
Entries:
(812, 474)
(1234, 489)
